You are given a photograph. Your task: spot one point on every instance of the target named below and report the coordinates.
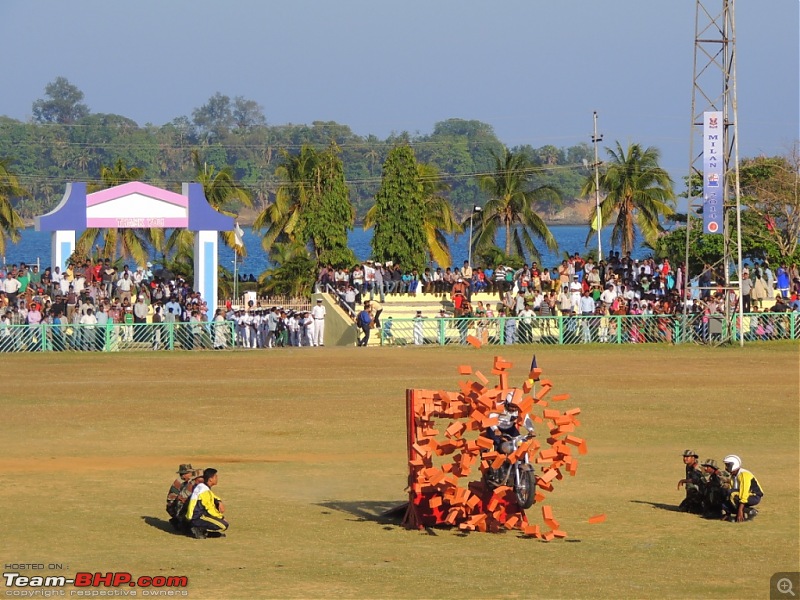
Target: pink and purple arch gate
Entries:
(139, 205)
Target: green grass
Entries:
(310, 444)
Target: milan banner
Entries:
(712, 172)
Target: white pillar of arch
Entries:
(62, 245)
(206, 263)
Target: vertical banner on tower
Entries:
(713, 172)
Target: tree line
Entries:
(309, 185)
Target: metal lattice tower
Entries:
(714, 89)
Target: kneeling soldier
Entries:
(716, 484)
(693, 481)
(174, 501)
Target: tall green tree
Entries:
(114, 242)
(513, 205)
(439, 219)
(637, 192)
(328, 215)
(399, 218)
(10, 188)
(771, 189)
(64, 103)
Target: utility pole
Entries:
(598, 218)
(475, 209)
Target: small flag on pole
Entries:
(238, 235)
(534, 366)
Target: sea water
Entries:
(35, 245)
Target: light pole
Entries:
(475, 209)
(598, 218)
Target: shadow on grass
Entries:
(659, 505)
(161, 524)
(389, 512)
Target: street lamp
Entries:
(475, 209)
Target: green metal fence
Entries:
(614, 329)
(628, 329)
(115, 337)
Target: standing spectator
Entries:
(11, 287)
(783, 281)
(419, 337)
(124, 286)
(747, 289)
(318, 313)
(364, 323)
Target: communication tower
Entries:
(714, 90)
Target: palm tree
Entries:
(281, 218)
(10, 221)
(294, 270)
(126, 242)
(220, 189)
(512, 206)
(438, 219)
(637, 190)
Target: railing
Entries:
(614, 329)
(115, 337)
(225, 335)
(339, 297)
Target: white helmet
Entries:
(734, 461)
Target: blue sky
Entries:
(534, 70)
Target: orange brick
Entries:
(534, 374)
(583, 449)
(574, 440)
(435, 501)
(511, 522)
(548, 537)
(527, 386)
(598, 518)
(547, 512)
(551, 413)
(559, 533)
(484, 442)
(549, 475)
(525, 405)
(539, 497)
(473, 341)
(560, 397)
(573, 411)
(498, 462)
(464, 370)
(532, 530)
(454, 430)
(503, 380)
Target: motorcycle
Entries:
(518, 475)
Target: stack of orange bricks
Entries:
(437, 494)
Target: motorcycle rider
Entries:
(506, 428)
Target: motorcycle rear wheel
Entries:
(525, 490)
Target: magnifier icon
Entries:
(785, 586)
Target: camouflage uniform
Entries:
(716, 487)
(174, 500)
(694, 486)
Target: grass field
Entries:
(310, 445)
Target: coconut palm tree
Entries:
(637, 190)
(281, 218)
(10, 221)
(512, 206)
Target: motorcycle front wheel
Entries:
(524, 490)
